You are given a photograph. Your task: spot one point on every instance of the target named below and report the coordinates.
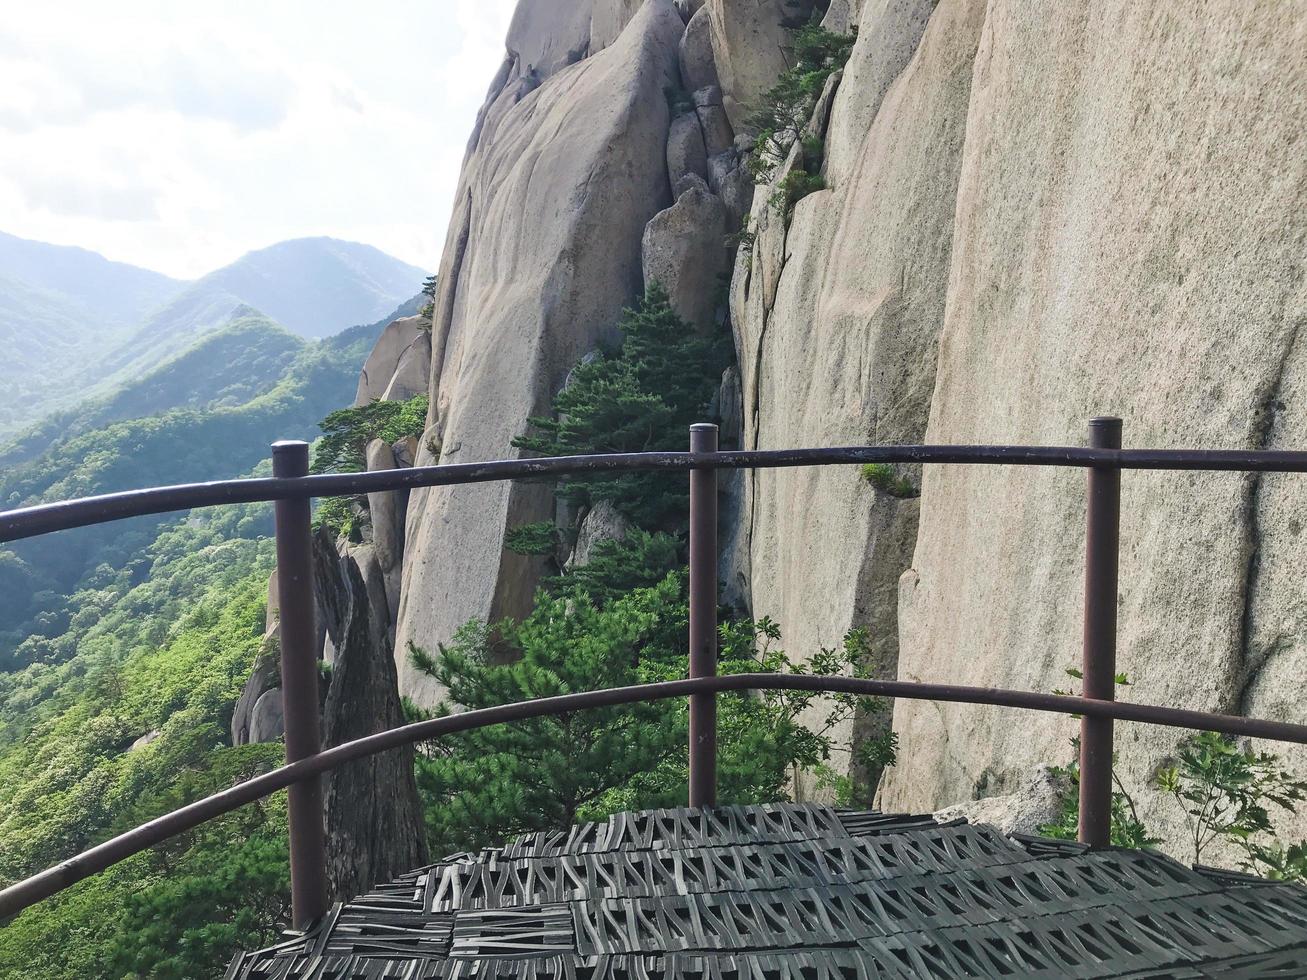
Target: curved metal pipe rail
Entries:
(291, 489)
(27, 522)
(46, 883)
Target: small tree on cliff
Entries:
(639, 396)
(481, 787)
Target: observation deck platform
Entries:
(799, 892)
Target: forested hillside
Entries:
(75, 325)
(179, 445)
(127, 645)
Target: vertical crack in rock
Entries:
(1271, 407)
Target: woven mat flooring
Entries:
(799, 892)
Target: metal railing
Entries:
(292, 490)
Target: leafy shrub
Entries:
(533, 539)
(343, 449)
(885, 478)
(794, 187)
(1225, 791)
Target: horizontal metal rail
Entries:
(28, 522)
(20, 895)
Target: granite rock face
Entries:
(543, 253)
(684, 249)
(396, 369)
(1031, 215)
(1130, 244)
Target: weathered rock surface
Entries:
(412, 372)
(264, 678)
(1032, 215)
(267, 721)
(751, 44)
(837, 316)
(543, 252)
(717, 133)
(401, 343)
(698, 69)
(388, 512)
(684, 249)
(374, 820)
(685, 149)
(1126, 243)
(603, 522)
(1036, 803)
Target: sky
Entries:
(178, 135)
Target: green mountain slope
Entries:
(112, 292)
(318, 286)
(223, 369)
(178, 446)
(76, 326)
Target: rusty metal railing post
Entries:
(1098, 664)
(703, 617)
(299, 688)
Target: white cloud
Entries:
(179, 137)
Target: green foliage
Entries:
(794, 187)
(1126, 829)
(639, 560)
(483, 786)
(641, 396)
(347, 432)
(885, 478)
(169, 656)
(179, 446)
(343, 449)
(1225, 791)
(540, 538)
(786, 107)
(429, 286)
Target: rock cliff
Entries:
(1030, 215)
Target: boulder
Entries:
(405, 450)
(607, 21)
(603, 522)
(684, 249)
(752, 44)
(545, 36)
(267, 723)
(264, 677)
(685, 149)
(696, 57)
(390, 349)
(729, 179)
(717, 132)
(388, 511)
(542, 255)
(1036, 803)
(144, 740)
(841, 16)
(412, 372)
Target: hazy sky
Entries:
(178, 135)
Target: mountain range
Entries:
(77, 325)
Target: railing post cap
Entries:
(289, 445)
(703, 426)
(1106, 421)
